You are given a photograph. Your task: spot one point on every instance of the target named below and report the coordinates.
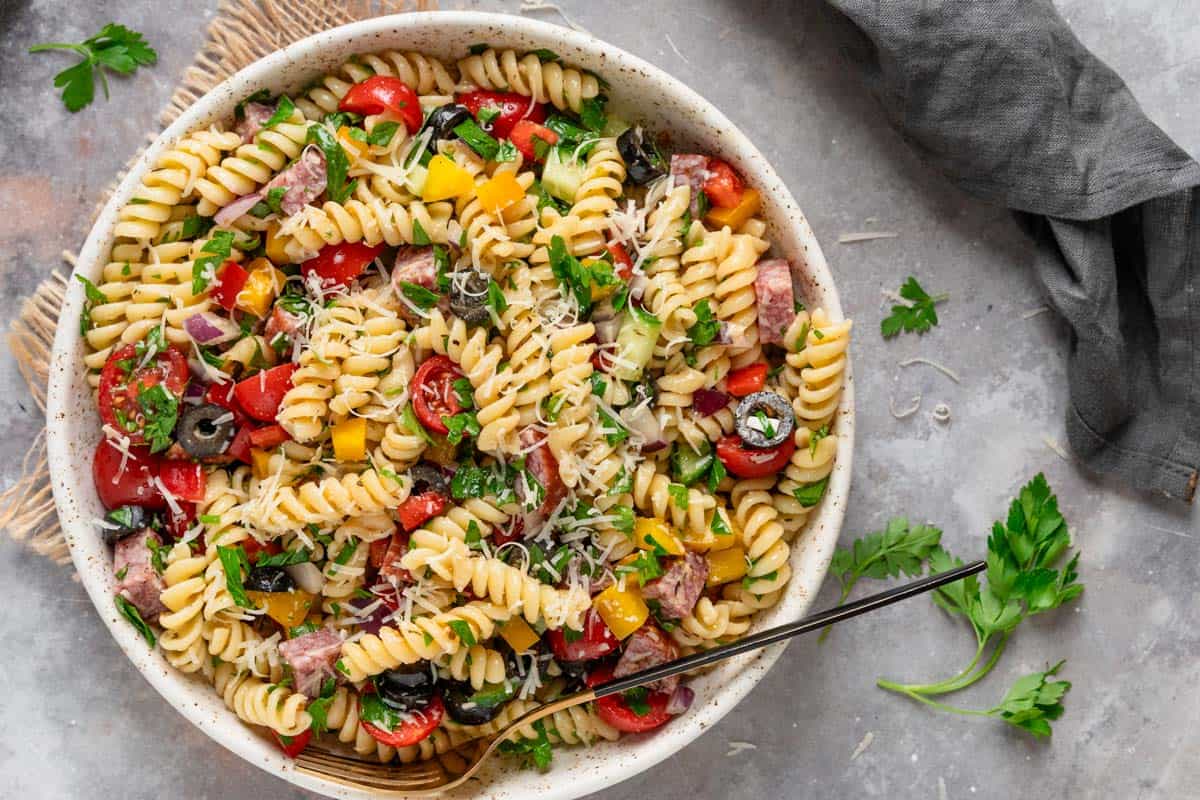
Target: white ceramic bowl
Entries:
(640, 92)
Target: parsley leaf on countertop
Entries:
(115, 47)
(918, 317)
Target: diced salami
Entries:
(282, 322)
(139, 583)
(311, 658)
(415, 265)
(543, 466)
(389, 568)
(776, 301)
(255, 118)
(679, 587)
(690, 169)
(304, 181)
(648, 647)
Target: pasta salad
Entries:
(438, 391)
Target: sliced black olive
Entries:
(428, 477)
(764, 419)
(468, 297)
(205, 430)
(405, 689)
(467, 707)
(443, 120)
(269, 579)
(129, 519)
(643, 162)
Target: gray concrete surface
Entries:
(79, 722)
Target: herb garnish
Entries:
(115, 47)
(918, 317)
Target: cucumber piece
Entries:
(415, 182)
(561, 178)
(688, 465)
(635, 343)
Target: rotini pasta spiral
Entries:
(544, 81)
(174, 177)
(258, 703)
(421, 72)
(252, 165)
(421, 639)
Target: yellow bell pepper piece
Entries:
(350, 439)
(499, 193)
(720, 536)
(353, 147)
(622, 611)
(261, 286)
(289, 609)
(726, 565)
(260, 462)
(446, 180)
(518, 634)
(276, 245)
(739, 215)
(650, 533)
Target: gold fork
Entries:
(459, 764)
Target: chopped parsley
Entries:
(707, 325)
(214, 251)
(94, 297)
(161, 409)
(234, 560)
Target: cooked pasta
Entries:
(430, 395)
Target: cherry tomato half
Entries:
(239, 448)
(747, 462)
(416, 729)
(616, 711)
(183, 479)
(177, 524)
(260, 395)
(597, 641)
(432, 392)
(384, 93)
(746, 380)
(221, 394)
(122, 381)
(418, 509)
(621, 260)
(230, 281)
(292, 746)
(268, 436)
(338, 264)
(512, 107)
(522, 136)
(723, 186)
(133, 486)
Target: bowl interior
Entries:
(639, 92)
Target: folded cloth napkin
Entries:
(1002, 98)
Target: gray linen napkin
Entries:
(1002, 98)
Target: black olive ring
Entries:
(776, 408)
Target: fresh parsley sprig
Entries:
(918, 317)
(115, 48)
(1023, 578)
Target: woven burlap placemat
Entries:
(242, 32)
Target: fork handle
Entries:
(783, 632)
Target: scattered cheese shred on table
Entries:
(539, 5)
(949, 373)
(908, 412)
(863, 745)
(736, 748)
(865, 236)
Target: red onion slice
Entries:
(235, 210)
(681, 700)
(208, 328)
(709, 401)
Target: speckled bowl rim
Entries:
(637, 87)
